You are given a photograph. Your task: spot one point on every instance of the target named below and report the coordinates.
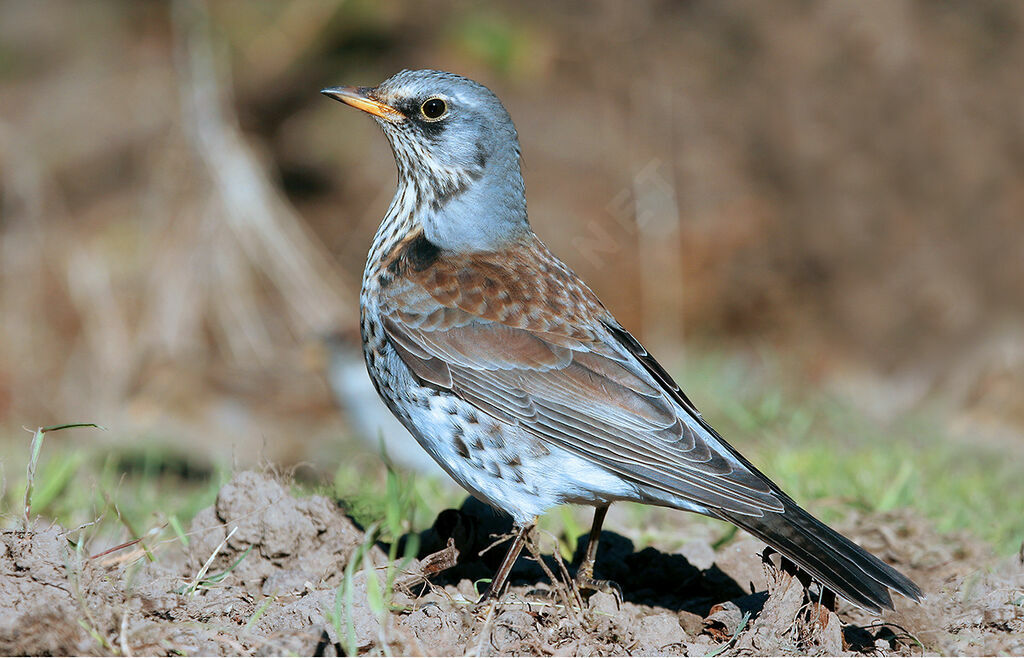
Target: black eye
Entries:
(434, 108)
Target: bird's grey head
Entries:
(457, 153)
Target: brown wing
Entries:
(521, 338)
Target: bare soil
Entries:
(287, 560)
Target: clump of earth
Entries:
(268, 573)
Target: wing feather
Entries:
(560, 367)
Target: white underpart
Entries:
(526, 489)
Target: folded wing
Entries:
(548, 357)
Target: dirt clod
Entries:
(296, 540)
(37, 596)
(661, 635)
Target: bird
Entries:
(510, 372)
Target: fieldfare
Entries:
(514, 377)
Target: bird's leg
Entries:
(586, 570)
(498, 582)
(585, 574)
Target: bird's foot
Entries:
(585, 582)
(489, 597)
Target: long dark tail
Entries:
(834, 560)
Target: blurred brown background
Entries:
(184, 217)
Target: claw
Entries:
(587, 583)
(487, 599)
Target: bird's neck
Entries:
(464, 210)
(482, 210)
